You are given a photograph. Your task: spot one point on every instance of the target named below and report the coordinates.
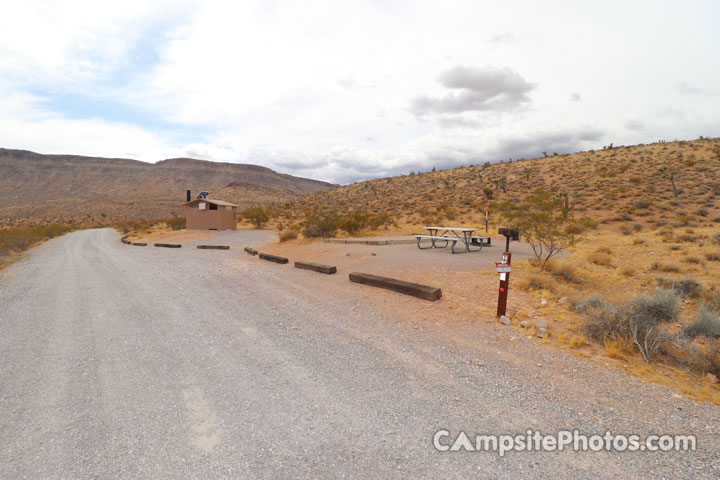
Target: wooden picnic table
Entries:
(452, 235)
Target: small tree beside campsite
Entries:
(544, 223)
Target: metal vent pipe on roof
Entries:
(189, 197)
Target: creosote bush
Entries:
(257, 215)
(321, 223)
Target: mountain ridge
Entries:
(63, 187)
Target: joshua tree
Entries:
(670, 173)
(564, 196)
(527, 171)
(502, 183)
(488, 193)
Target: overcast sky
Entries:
(349, 90)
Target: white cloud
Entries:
(476, 89)
(684, 87)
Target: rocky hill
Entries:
(622, 183)
(60, 188)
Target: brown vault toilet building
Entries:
(210, 214)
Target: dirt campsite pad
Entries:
(468, 280)
(174, 236)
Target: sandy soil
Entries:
(468, 280)
(175, 236)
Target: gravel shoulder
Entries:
(142, 362)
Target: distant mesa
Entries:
(37, 185)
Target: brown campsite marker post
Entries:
(503, 268)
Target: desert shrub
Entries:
(660, 308)
(641, 204)
(716, 239)
(175, 223)
(288, 235)
(429, 220)
(637, 321)
(704, 358)
(594, 301)
(605, 321)
(319, 223)
(257, 215)
(713, 257)
(685, 288)
(706, 323)
(14, 240)
(381, 220)
(353, 222)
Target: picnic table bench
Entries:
(451, 236)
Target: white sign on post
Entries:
(503, 268)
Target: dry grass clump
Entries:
(287, 235)
(128, 226)
(537, 282)
(564, 271)
(627, 272)
(665, 268)
(601, 259)
(615, 348)
(577, 341)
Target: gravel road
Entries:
(138, 362)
